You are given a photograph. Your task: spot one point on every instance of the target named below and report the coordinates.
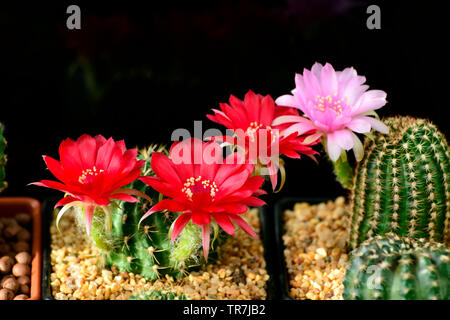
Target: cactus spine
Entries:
(145, 249)
(395, 268)
(401, 186)
(3, 183)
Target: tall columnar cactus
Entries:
(394, 268)
(146, 248)
(402, 185)
(3, 183)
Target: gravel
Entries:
(315, 240)
(77, 274)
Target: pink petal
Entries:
(377, 124)
(286, 100)
(328, 80)
(359, 125)
(333, 149)
(370, 100)
(343, 138)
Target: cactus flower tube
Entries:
(263, 141)
(92, 171)
(205, 188)
(337, 104)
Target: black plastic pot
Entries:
(47, 215)
(282, 277)
(266, 235)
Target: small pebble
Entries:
(315, 239)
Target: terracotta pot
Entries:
(10, 206)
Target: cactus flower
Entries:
(337, 104)
(252, 122)
(204, 188)
(92, 172)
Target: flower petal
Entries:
(359, 125)
(244, 225)
(179, 225)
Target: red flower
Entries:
(92, 172)
(253, 122)
(204, 186)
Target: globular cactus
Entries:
(158, 295)
(395, 268)
(146, 249)
(3, 183)
(402, 185)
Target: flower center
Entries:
(88, 174)
(253, 129)
(322, 103)
(198, 185)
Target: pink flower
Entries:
(337, 104)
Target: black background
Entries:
(159, 67)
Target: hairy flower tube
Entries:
(92, 171)
(204, 188)
(263, 141)
(336, 104)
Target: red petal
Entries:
(205, 240)
(58, 186)
(253, 202)
(65, 201)
(87, 147)
(163, 168)
(267, 111)
(235, 208)
(70, 157)
(200, 218)
(124, 197)
(244, 225)
(179, 225)
(224, 222)
(165, 188)
(88, 214)
(104, 154)
(58, 171)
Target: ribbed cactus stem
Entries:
(401, 186)
(395, 268)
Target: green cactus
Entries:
(3, 183)
(401, 186)
(158, 295)
(146, 249)
(395, 268)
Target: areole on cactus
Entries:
(402, 184)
